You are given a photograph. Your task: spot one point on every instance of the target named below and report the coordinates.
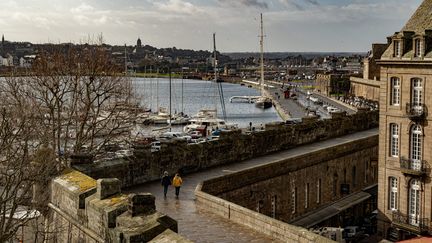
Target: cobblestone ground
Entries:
(201, 226)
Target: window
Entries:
(273, 204)
(416, 147)
(344, 181)
(393, 193)
(395, 91)
(397, 48)
(366, 168)
(417, 48)
(294, 200)
(416, 93)
(394, 140)
(414, 202)
(319, 191)
(306, 195)
(335, 181)
(354, 176)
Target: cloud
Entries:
(247, 3)
(178, 6)
(83, 7)
(299, 4)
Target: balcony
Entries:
(413, 168)
(409, 223)
(416, 111)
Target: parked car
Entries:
(195, 134)
(354, 233)
(175, 135)
(155, 146)
(123, 153)
(332, 109)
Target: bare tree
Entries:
(75, 100)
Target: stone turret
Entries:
(98, 211)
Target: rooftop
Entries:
(421, 20)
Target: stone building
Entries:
(405, 135)
(332, 83)
(368, 86)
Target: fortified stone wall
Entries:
(288, 189)
(231, 147)
(86, 210)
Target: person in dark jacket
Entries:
(166, 182)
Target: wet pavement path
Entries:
(201, 226)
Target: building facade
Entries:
(405, 144)
(368, 86)
(332, 83)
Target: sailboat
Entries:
(263, 101)
(206, 120)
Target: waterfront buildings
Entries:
(405, 150)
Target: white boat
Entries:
(161, 117)
(179, 119)
(264, 102)
(206, 121)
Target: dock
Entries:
(247, 99)
(256, 83)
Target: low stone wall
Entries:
(276, 229)
(231, 147)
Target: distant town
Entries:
(140, 59)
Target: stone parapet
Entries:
(276, 229)
(231, 147)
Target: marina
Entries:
(198, 95)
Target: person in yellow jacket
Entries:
(177, 182)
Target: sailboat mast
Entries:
(215, 72)
(125, 63)
(262, 55)
(157, 91)
(169, 70)
(182, 96)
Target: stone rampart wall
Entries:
(262, 197)
(279, 189)
(232, 147)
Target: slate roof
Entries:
(421, 19)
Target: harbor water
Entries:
(190, 96)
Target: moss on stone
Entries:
(78, 179)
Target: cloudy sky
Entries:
(290, 25)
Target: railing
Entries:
(413, 224)
(409, 166)
(416, 111)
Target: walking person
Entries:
(177, 182)
(166, 181)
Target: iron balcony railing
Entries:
(416, 111)
(413, 167)
(410, 223)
